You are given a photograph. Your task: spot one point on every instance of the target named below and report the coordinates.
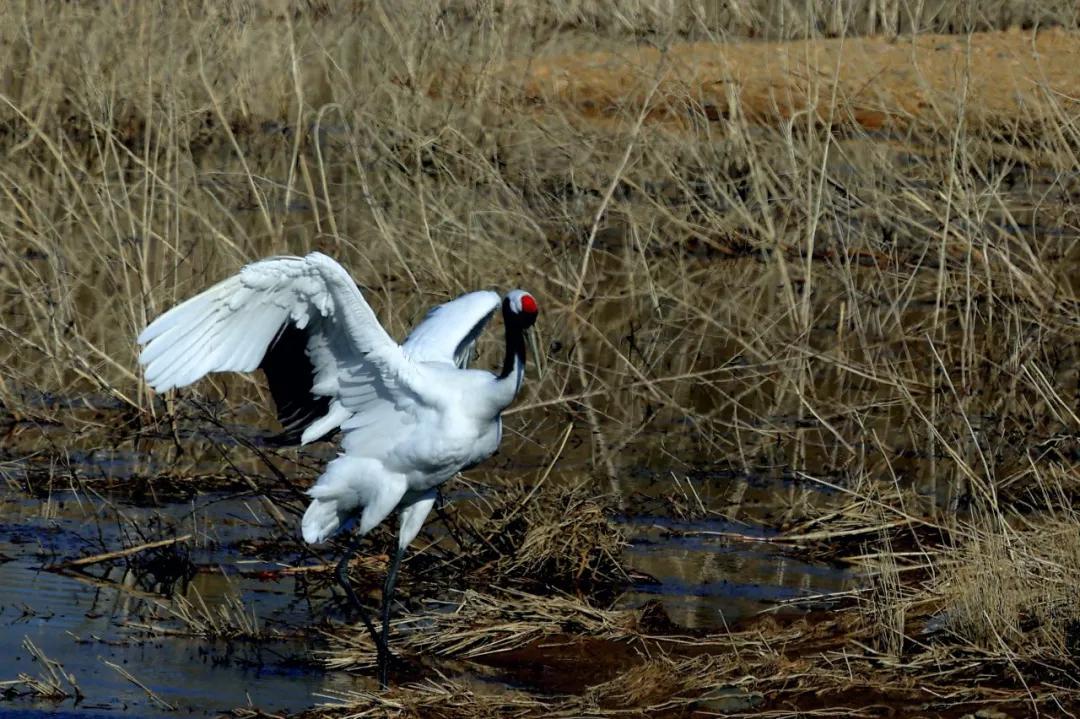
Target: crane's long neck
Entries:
(513, 369)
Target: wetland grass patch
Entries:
(884, 315)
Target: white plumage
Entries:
(412, 415)
(439, 337)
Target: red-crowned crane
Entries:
(411, 415)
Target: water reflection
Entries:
(706, 579)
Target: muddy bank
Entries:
(998, 79)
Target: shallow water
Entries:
(708, 579)
(84, 622)
(705, 573)
(701, 581)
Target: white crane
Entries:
(412, 415)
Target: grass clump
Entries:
(560, 536)
(1017, 593)
(228, 619)
(472, 624)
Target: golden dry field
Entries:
(807, 438)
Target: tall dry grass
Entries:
(892, 316)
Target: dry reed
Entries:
(891, 316)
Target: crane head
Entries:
(520, 308)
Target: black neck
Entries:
(515, 343)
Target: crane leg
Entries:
(341, 573)
(388, 596)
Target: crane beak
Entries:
(531, 336)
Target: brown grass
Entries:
(892, 314)
(993, 80)
(1017, 590)
(479, 625)
(558, 535)
(659, 687)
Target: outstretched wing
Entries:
(253, 318)
(290, 375)
(449, 332)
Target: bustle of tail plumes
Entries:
(321, 520)
(351, 490)
(334, 499)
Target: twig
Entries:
(149, 692)
(375, 562)
(98, 558)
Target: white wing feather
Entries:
(230, 326)
(450, 331)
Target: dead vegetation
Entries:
(659, 687)
(555, 535)
(52, 682)
(230, 619)
(472, 624)
(884, 312)
(1015, 590)
(1007, 80)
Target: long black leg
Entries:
(342, 576)
(387, 598)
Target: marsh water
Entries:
(113, 629)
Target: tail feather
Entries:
(321, 520)
(352, 489)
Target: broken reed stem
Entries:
(118, 554)
(50, 684)
(596, 432)
(150, 693)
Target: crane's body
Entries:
(411, 415)
(410, 454)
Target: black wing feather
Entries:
(463, 352)
(290, 374)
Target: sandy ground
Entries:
(999, 78)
